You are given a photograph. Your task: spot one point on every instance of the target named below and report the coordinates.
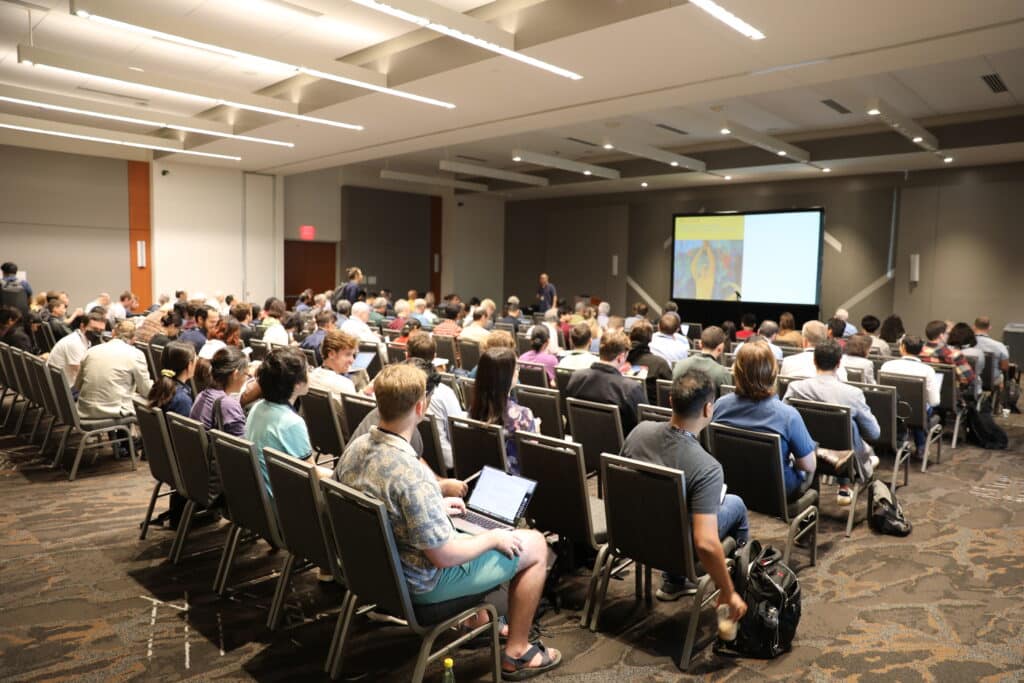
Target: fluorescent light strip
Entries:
(270, 64)
(109, 141)
(726, 17)
(142, 122)
(426, 23)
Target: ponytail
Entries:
(177, 356)
(539, 337)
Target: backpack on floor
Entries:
(982, 429)
(772, 593)
(885, 514)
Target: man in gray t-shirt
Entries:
(713, 515)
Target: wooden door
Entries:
(308, 264)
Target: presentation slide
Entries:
(761, 257)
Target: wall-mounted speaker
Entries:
(915, 268)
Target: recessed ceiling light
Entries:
(781, 152)
(643, 184)
(948, 160)
(674, 163)
(826, 170)
(517, 158)
(725, 131)
(608, 145)
(728, 177)
(874, 112)
(918, 139)
(588, 172)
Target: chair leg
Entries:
(855, 489)
(703, 588)
(60, 448)
(495, 645)
(902, 457)
(131, 448)
(46, 435)
(595, 575)
(648, 593)
(956, 427)
(35, 425)
(602, 590)
(334, 655)
(149, 510)
(280, 593)
(227, 557)
(183, 526)
(78, 456)
(638, 571)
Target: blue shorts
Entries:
(473, 578)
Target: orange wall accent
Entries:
(139, 230)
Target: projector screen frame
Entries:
(821, 246)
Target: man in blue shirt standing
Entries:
(547, 295)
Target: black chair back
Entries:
(51, 340)
(431, 436)
(41, 380)
(156, 444)
(157, 353)
(752, 464)
(310, 357)
(560, 503)
(325, 432)
(396, 353)
(881, 399)
(664, 389)
(545, 404)
(522, 344)
(466, 390)
(295, 498)
(782, 384)
(356, 409)
(259, 348)
(66, 410)
(245, 491)
(446, 349)
(829, 424)
(597, 427)
(855, 374)
(40, 339)
(475, 444)
(949, 390)
(148, 353)
(191, 449)
(989, 373)
(649, 413)
(469, 353)
(533, 374)
(912, 391)
(666, 544)
(505, 327)
(693, 330)
(562, 377)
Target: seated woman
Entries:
(12, 331)
(227, 333)
(218, 406)
(788, 335)
(171, 323)
(540, 339)
(273, 422)
(755, 406)
(411, 325)
(172, 394)
(856, 357)
(496, 374)
(640, 354)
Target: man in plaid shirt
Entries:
(936, 351)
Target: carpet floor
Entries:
(82, 598)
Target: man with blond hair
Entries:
(801, 365)
(439, 563)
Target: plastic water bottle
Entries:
(726, 626)
(449, 671)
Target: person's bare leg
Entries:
(524, 594)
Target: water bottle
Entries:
(449, 671)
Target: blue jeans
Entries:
(732, 521)
(920, 435)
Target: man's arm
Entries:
(463, 548)
(711, 555)
(867, 423)
(932, 385)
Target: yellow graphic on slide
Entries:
(708, 257)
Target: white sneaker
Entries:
(843, 497)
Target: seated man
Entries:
(848, 328)
(712, 342)
(667, 343)
(439, 563)
(402, 314)
(477, 330)
(801, 365)
(603, 383)
(121, 309)
(767, 330)
(712, 516)
(379, 310)
(324, 324)
(639, 313)
(856, 356)
(513, 314)
(448, 325)
(870, 325)
(338, 351)
(580, 357)
(111, 375)
(936, 351)
(57, 310)
(67, 354)
(443, 401)
(206, 318)
(910, 363)
(826, 388)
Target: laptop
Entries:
(362, 360)
(498, 502)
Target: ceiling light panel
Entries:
(728, 18)
(768, 143)
(648, 152)
(539, 159)
(902, 124)
(432, 180)
(487, 172)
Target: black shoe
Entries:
(670, 590)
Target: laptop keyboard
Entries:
(483, 522)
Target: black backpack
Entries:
(982, 430)
(772, 593)
(13, 295)
(885, 514)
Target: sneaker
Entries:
(670, 591)
(324, 577)
(843, 496)
(873, 461)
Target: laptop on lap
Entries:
(498, 501)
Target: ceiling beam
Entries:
(539, 159)
(648, 152)
(439, 181)
(768, 143)
(487, 172)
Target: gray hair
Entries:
(604, 308)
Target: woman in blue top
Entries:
(172, 394)
(273, 422)
(496, 374)
(755, 406)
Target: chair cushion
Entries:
(439, 611)
(597, 520)
(810, 497)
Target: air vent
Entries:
(835, 106)
(582, 142)
(995, 83)
(665, 126)
(107, 93)
(469, 158)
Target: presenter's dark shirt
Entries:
(547, 295)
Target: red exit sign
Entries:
(307, 232)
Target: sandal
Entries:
(522, 669)
(485, 637)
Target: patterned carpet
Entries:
(81, 598)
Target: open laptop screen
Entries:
(362, 360)
(500, 495)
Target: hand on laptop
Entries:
(454, 506)
(453, 487)
(506, 542)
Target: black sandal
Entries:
(523, 670)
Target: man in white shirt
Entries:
(443, 401)
(767, 331)
(666, 342)
(275, 333)
(111, 375)
(338, 350)
(477, 330)
(911, 364)
(580, 357)
(357, 326)
(68, 352)
(801, 365)
(103, 300)
(119, 311)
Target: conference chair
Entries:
(788, 351)
(752, 464)
(466, 390)
(546, 405)
(396, 353)
(598, 428)
(13, 383)
(831, 426)
(649, 413)
(154, 374)
(300, 519)
(882, 401)
(664, 389)
(782, 384)
(854, 374)
(40, 379)
(950, 402)
(355, 408)
(693, 331)
(198, 477)
(523, 344)
(505, 327)
(43, 338)
(51, 340)
(158, 356)
(156, 444)
(88, 429)
(450, 381)
(724, 389)
(560, 503)
(376, 364)
(988, 385)
(446, 349)
(430, 434)
(727, 359)
(913, 391)
(259, 349)
(390, 335)
(325, 432)
(359, 526)
(474, 445)
(667, 544)
(310, 357)
(16, 363)
(469, 353)
(562, 377)
(249, 503)
(533, 374)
